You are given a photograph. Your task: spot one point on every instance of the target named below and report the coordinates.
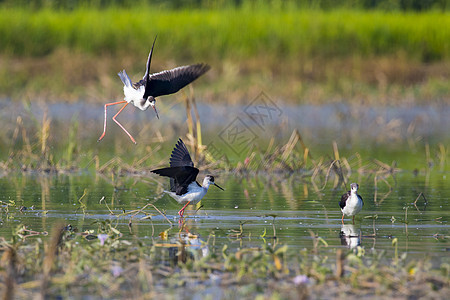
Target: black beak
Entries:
(156, 112)
(219, 187)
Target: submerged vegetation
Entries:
(99, 263)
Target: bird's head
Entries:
(152, 102)
(354, 187)
(209, 179)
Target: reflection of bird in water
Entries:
(143, 93)
(351, 203)
(183, 185)
(182, 247)
(349, 236)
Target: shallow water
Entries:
(290, 207)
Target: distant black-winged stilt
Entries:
(142, 94)
(351, 203)
(183, 185)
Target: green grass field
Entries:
(299, 54)
(214, 34)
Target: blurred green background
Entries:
(391, 52)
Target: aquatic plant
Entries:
(74, 263)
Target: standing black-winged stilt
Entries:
(183, 185)
(142, 94)
(351, 203)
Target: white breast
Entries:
(352, 206)
(135, 96)
(194, 195)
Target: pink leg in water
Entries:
(181, 212)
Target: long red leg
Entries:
(117, 122)
(104, 125)
(185, 227)
(342, 219)
(353, 220)
(181, 212)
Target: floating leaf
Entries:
(163, 235)
(277, 262)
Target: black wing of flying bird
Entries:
(171, 81)
(180, 177)
(147, 68)
(344, 199)
(149, 61)
(180, 156)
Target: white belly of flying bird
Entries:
(142, 94)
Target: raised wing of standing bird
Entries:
(181, 171)
(184, 187)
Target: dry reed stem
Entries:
(136, 212)
(8, 263)
(385, 196)
(442, 155)
(45, 133)
(107, 206)
(340, 263)
(199, 144)
(50, 256)
(328, 174)
(415, 202)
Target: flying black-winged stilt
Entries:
(183, 185)
(142, 94)
(351, 203)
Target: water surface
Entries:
(289, 209)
